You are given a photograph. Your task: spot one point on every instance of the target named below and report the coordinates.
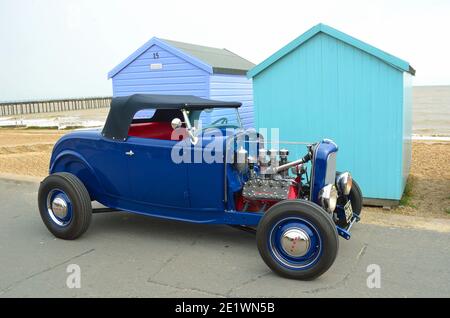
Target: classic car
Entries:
(144, 165)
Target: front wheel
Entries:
(355, 197)
(64, 205)
(297, 239)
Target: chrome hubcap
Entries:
(59, 207)
(295, 242)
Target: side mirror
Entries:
(176, 123)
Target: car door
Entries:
(155, 178)
(109, 160)
(206, 175)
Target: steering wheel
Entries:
(222, 121)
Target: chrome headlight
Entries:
(328, 197)
(344, 182)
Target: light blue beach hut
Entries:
(170, 67)
(327, 84)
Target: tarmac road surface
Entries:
(125, 255)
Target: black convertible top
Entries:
(124, 108)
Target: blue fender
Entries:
(73, 162)
(321, 175)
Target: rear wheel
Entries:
(64, 205)
(297, 239)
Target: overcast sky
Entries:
(65, 48)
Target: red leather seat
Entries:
(155, 130)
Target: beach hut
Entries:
(327, 84)
(170, 67)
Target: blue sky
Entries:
(64, 48)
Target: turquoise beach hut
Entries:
(327, 84)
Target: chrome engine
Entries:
(269, 178)
(266, 189)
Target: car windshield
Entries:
(218, 118)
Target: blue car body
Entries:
(150, 183)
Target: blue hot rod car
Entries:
(160, 165)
